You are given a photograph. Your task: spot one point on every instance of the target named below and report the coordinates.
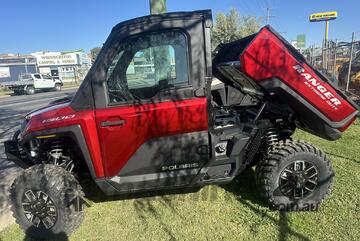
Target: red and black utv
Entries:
(158, 111)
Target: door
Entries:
(153, 126)
(48, 82)
(38, 82)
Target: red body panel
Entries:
(119, 143)
(145, 122)
(267, 57)
(63, 115)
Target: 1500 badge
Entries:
(58, 118)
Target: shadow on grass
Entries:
(343, 157)
(146, 207)
(143, 202)
(32, 232)
(243, 187)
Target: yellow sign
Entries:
(325, 16)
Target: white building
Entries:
(68, 66)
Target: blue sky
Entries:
(28, 26)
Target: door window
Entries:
(148, 65)
(47, 77)
(37, 76)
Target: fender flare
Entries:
(75, 133)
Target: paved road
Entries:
(12, 111)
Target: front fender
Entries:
(74, 132)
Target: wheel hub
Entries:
(39, 209)
(298, 179)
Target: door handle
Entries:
(112, 123)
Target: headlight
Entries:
(27, 117)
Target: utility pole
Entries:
(351, 57)
(312, 55)
(335, 50)
(26, 61)
(324, 60)
(320, 17)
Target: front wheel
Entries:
(58, 87)
(295, 176)
(45, 202)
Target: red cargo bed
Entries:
(275, 65)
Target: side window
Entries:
(46, 76)
(147, 65)
(37, 76)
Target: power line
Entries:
(268, 15)
(244, 6)
(258, 4)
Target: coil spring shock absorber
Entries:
(271, 136)
(57, 157)
(56, 151)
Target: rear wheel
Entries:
(30, 90)
(295, 176)
(18, 92)
(46, 202)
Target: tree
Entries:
(232, 26)
(94, 53)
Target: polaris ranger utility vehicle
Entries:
(30, 83)
(146, 117)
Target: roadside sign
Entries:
(301, 41)
(324, 16)
(4, 72)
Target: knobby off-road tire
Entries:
(60, 189)
(281, 169)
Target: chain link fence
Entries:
(333, 59)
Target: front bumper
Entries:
(13, 152)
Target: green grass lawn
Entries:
(71, 84)
(231, 212)
(4, 92)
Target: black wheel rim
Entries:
(39, 209)
(298, 179)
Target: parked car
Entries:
(30, 83)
